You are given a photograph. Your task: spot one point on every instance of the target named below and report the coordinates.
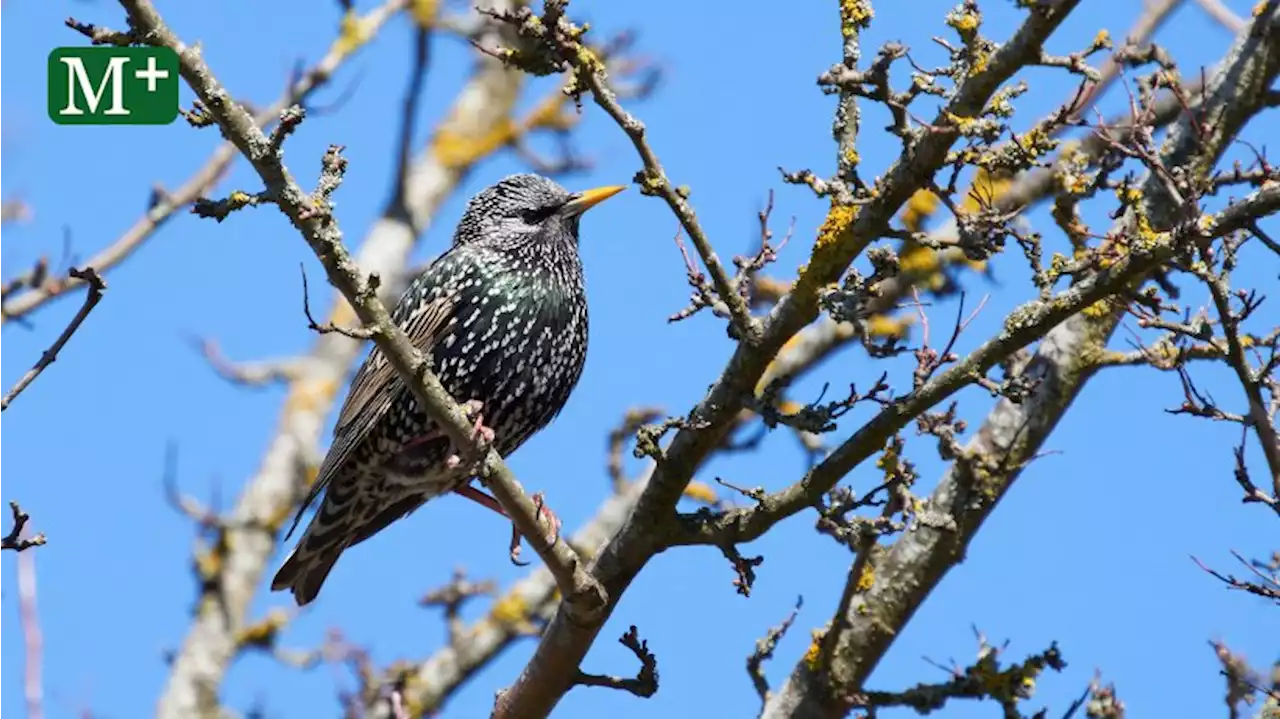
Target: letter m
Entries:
(78, 78)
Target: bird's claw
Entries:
(481, 435)
(545, 517)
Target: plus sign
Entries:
(151, 74)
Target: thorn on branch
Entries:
(644, 684)
(14, 540)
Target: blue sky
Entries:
(1090, 549)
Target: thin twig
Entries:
(96, 287)
(15, 540)
(644, 684)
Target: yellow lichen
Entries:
(813, 654)
(963, 21)
(838, 220)
(919, 260)
(588, 61)
(1098, 309)
(854, 14)
(1129, 195)
(424, 12)
(964, 124)
(263, 633)
(867, 579)
(885, 326)
(1102, 40)
(790, 406)
(769, 372)
(510, 609)
(985, 189)
(1147, 237)
(889, 460)
(456, 150)
(919, 208)
(352, 33)
(208, 564)
(978, 62)
(307, 397)
(701, 492)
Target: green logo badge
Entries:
(113, 85)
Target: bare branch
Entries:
(96, 287)
(845, 234)
(644, 684)
(15, 540)
(251, 374)
(1013, 432)
(764, 651)
(632, 421)
(1218, 10)
(164, 203)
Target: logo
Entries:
(113, 85)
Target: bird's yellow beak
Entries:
(590, 198)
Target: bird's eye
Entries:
(536, 215)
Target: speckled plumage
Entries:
(503, 316)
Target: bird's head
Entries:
(525, 207)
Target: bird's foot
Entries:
(481, 435)
(547, 520)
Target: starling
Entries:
(502, 317)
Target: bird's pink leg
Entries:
(480, 434)
(544, 515)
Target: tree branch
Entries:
(97, 287)
(847, 232)
(14, 540)
(1013, 432)
(482, 109)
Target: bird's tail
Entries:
(346, 518)
(326, 537)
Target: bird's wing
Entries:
(377, 385)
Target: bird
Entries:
(501, 316)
